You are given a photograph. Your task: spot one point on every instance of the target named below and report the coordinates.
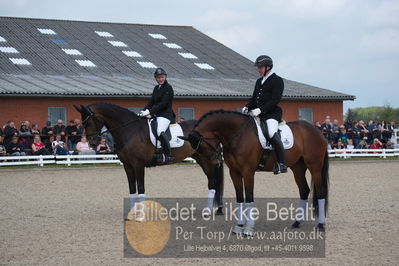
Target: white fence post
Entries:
(68, 160)
(41, 161)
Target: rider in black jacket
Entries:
(160, 106)
(264, 103)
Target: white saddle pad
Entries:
(286, 136)
(175, 131)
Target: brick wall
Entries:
(36, 109)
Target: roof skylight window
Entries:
(20, 61)
(188, 55)
(172, 45)
(204, 66)
(118, 43)
(10, 50)
(146, 64)
(85, 63)
(47, 31)
(157, 36)
(72, 51)
(104, 34)
(132, 54)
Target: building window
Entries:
(306, 114)
(56, 113)
(186, 114)
(135, 110)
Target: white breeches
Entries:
(272, 126)
(163, 124)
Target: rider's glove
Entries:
(255, 112)
(144, 112)
(244, 110)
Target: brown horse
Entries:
(135, 150)
(242, 152)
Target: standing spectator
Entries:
(14, 148)
(58, 146)
(59, 129)
(355, 136)
(1, 131)
(71, 132)
(35, 129)
(103, 148)
(83, 147)
(38, 147)
(79, 130)
(2, 148)
(384, 131)
(24, 134)
(47, 131)
(9, 132)
(373, 131)
(327, 129)
(318, 125)
(377, 144)
(343, 136)
(335, 130)
(364, 132)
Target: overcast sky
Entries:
(351, 46)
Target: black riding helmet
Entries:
(159, 71)
(264, 60)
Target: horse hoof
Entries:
(219, 211)
(296, 224)
(248, 231)
(321, 227)
(239, 228)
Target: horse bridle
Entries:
(97, 133)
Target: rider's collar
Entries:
(268, 75)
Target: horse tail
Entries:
(219, 182)
(324, 185)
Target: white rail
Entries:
(350, 153)
(68, 160)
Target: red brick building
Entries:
(46, 66)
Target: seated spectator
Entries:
(377, 144)
(3, 151)
(38, 147)
(9, 132)
(340, 145)
(59, 129)
(103, 147)
(58, 146)
(350, 145)
(14, 148)
(389, 145)
(83, 147)
(362, 145)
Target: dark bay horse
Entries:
(135, 150)
(242, 152)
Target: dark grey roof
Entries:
(53, 72)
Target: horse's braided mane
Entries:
(113, 106)
(219, 111)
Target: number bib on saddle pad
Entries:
(175, 131)
(286, 136)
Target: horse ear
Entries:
(85, 109)
(78, 108)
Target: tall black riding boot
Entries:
(279, 149)
(166, 148)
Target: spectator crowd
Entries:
(58, 139)
(358, 134)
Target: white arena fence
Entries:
(359, 153)
(68, 160)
